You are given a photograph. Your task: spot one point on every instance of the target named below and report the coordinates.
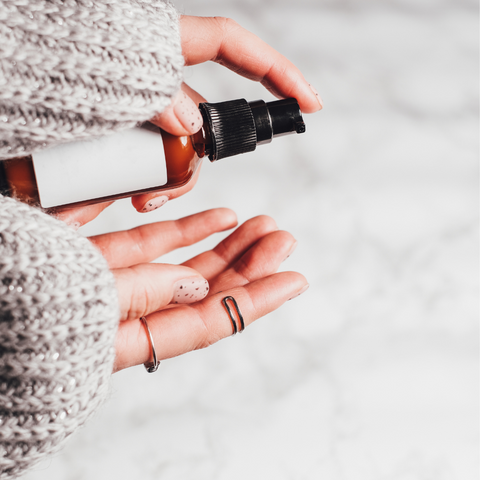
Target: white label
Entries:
(123, 162)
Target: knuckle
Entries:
(221, 253)
(181, 234)
(140, 297)
(207, 334)
(225, 27)
(226, 24)
(139, 239)
(244, 270)
(138, 306)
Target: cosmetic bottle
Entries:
(144, 159)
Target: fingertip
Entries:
(187, 113)
(292, 246)
(294, 284)
(302, 290)
(265, 223)
(151, 204)
(229, 217)
(317, 97)
(309, 100)
(296, 281)
(306, 95)
(217, 219)
(182, 117)
(190, 290)
(78, 216)
(139, 201)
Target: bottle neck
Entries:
(202, 141)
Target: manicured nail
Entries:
(188, 113)
(73, 225)
(154, 203)
(190, 290)
(292, 249)
(320, 101)
(304, 289)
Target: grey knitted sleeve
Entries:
(59, 313)
(75, 68)
(68, 69)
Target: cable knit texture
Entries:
(70, 69)
(58, 318)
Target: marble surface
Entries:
(373, 373)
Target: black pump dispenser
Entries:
(238, 127)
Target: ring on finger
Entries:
(152, 365)
(227, 301)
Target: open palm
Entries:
(243, 265)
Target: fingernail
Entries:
(154, 203)
(190, 290)
(188, 113)
(73, 225)
(292, 249)
(319, 99)
(304, 289)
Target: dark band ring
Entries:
(152, 365)
(226, 304)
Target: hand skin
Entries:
(243, 265)
(223, 41)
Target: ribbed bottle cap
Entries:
(232, 128)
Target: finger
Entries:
(224, 41)
(146, 288)
(229, 250)
(151, 201)
(147, 242)
(182, 116)
(262, 259)
(183, 329)
(78, 216)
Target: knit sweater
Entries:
(69, 69)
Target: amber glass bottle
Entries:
(144, 159)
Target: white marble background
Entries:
(373, 373)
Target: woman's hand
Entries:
(78, 216)
(243, 265)
(223, 41)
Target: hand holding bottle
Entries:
(183, 303)
(223, 41)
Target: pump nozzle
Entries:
(274, 119)
(238, 126)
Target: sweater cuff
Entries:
(70, 70)
(59, 314)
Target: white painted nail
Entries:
(304, 289)
(187, 113)
(190, 290)
(154, 203)
(73, 225)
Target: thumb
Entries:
(182, 116)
